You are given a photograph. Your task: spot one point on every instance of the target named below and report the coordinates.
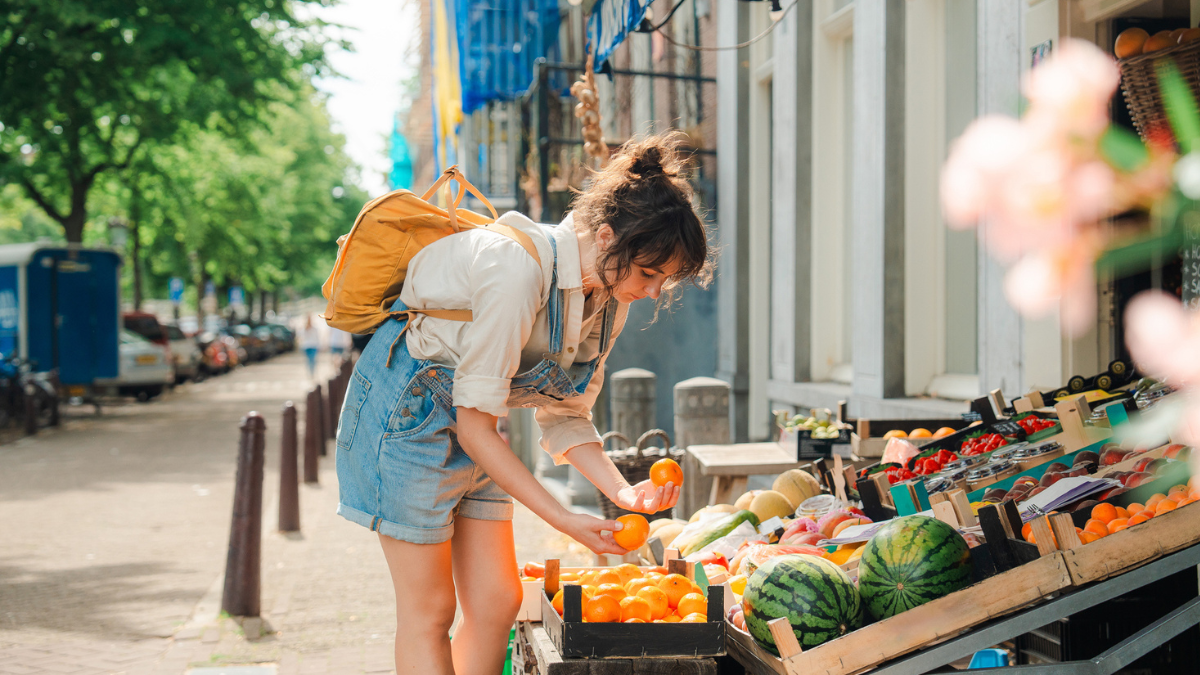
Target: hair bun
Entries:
(648, 162)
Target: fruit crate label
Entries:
(770, 525)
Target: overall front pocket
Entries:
(414, 407)
(356, 396)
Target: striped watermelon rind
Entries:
(817, 597)
(909, 562)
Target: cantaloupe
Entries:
(743, 502)
(667, 533)
(796, 485)
(661, 522)
(771, 504)
(715, 508)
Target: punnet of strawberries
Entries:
(927, 466)
(982, 444)
(1033, 424)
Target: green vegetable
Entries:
(713, 530)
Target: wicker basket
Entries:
(1139, 81)
(634, 463)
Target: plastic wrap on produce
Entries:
(729, 544)
(898, 451)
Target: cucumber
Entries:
(713, 531)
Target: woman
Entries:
(419, 459)
(310, 342)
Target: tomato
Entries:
(713, 558)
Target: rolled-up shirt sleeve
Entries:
(505, 295)
(568, 423)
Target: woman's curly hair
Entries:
(643, 196)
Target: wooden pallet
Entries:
(919, 627)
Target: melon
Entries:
(715, 508)
(796, 485)
(817, 597)
(770, 504)
(667, 533)
(909, 562)
(743, 502)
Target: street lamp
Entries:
(118, 233)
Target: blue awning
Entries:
(498, 41)
(611, 21)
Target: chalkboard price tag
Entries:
(1007, 428)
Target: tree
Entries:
(86, 84)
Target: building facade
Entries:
(839, 279)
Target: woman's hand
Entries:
(646, 497)
(592, 532)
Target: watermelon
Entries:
(909, 562)
(816, 596)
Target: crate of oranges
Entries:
(631, 611)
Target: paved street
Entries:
(114, 533)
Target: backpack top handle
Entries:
(452, 202)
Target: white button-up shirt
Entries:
(507, 293)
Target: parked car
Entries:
(270, 346)
(256, 350)
(145, 368)
(285, 338)
(185, 353)
(214, 353)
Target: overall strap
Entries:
(555, 305)
(606, 325)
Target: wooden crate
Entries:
(1135, 546)
(933, 622)
(573, 638)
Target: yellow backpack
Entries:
(373, 258)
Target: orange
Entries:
(1134, 508)
(694, 618)
(634, 620)
(634, 533)
(1139, 518)
(588, 578)
(568, 576)
(628, 572)
(1164, 506)
(943, 432)
(1104, 513)
(1096, 527)
(635, 608)
(670, 618)
(675, 586)
(895, 433)
(557, 602)
(692, 603)
(1027, 532)
(636, 585)
(920, 433)
(1117, 525)
(608, 577)
(657, 599)
(1160, 40)
(1177, 489)
(1122, 513)
(654, 577)
(1154, 500)
(611, 590)
(1130, 42)
(1088, 537)
(665, 471)
(839, 556)
(589, 591)
(1186, 500)
(602, 609)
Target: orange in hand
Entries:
(633, 534)
(602, 609)
(665, 471)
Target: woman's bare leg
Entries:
(489, 593)
(421, 574)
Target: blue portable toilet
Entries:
(60, 306)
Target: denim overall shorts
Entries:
(401, 471)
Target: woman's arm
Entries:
(478, 436)
(646, 497)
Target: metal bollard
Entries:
(31, 416)
(289, 488)
(323, 420)
(242, 567)
(312, 436)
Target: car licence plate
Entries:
(146, 359)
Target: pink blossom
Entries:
(1164, 338)
(1057, 278)
(1071, 90)
(987, 152)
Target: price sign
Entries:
(1189, 255)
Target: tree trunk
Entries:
(73, 226)
(135, 218)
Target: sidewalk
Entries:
(114, 540)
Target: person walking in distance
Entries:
(310, 342)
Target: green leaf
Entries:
(1139, 255)
(1123, 150)
(1180, 106)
